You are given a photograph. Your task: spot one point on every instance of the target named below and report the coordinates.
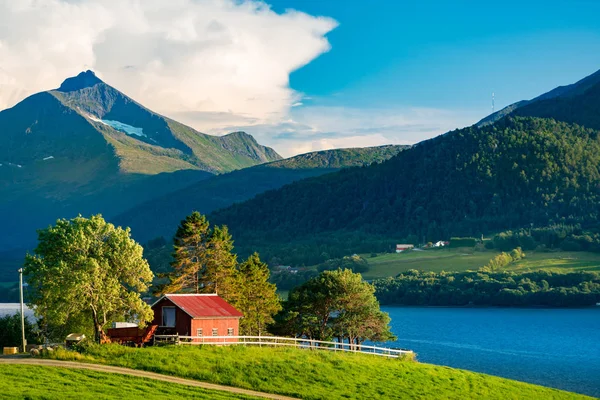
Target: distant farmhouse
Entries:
(403, 247)
(202, 315)
(286, 268)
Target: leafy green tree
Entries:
(334, 304)
(358, 315)
(502, 260)
(258, 298)
(310, 308)
(355, 263)
(89, 272)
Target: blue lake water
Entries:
(552, 347)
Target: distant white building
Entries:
(403, 247)
(287, 268)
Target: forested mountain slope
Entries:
(161, 216)
(517, 172)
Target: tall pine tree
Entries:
(220, 273)
(189, 255)
(203, 260)
(258, 299)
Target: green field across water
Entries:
(463, 259)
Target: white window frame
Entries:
(174, 316)
(215, 331)
(199, 332)
(230, 331)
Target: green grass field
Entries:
(385, 265)
(391, 264)
(559, 261)
(315, 374)
(37, 382)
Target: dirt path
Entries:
(139, 373)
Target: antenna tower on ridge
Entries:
(493, 105)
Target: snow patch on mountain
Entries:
(120, 126)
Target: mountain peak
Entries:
(83, 80)
(239, 133)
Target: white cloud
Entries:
(217, 65)
(180, 57)
(315, 128)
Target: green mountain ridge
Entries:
(87, 148)
(511, 170)
(575, 103)
(160, 216)
(517, 172)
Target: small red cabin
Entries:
(202, 315)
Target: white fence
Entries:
(281, 342)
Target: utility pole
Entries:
(22, 310)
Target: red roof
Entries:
(203, 305)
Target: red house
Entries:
(202, 315)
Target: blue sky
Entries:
(305, 75)
(448, 54)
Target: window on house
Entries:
(199, 332)
(168, 316)
(229, 331)
(215, 332)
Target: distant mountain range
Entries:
(87, 119)
(511, 170)
(88, 148)
(160, 216)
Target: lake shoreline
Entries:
(496, 307)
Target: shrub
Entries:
(456, 242)
(10, 331)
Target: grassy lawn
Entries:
(37, 382)
(315, 374)
(385, 265)
(392, 264)
(559, 261)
